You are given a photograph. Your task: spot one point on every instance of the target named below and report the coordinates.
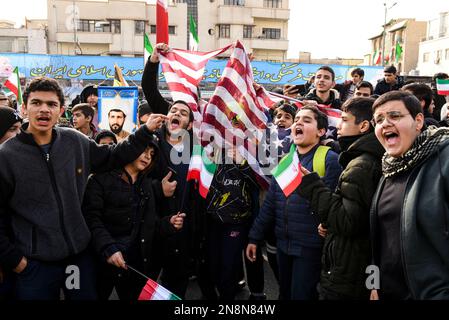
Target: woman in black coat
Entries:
(119, 207)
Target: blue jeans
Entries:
(41, 280)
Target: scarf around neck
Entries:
(424, 145)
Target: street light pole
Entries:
(385, 31)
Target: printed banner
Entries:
(121, 98)
(102, 67)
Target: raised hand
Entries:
(155, 121)
(160, 47)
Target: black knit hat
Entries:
(105, 133)
(8, 116)
(144, 108)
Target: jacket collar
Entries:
(27, 138)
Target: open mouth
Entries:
(281, 125)
(43, 120)
(144, 163)
(391, 137)
(298, 131)
(175, 123)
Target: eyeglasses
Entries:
(392, 117)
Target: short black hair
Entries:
(365, 84)
(85, 109)
(361, 108)
(44, 84)
(390, 69)
(422, 91)
(320, 117)
(440, 75)
(329, 69)
(410, 101)
(358, 71)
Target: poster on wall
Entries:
(117, 106)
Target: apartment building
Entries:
(26, 39)
(434, 49)
(402, 37)
(116, 27)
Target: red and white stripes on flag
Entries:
(183, 71)
(237, 111)
(162, 21)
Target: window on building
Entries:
(22, 45)
(102, 26)
(446, 54)
(272, 3)
(139, 27)
(225, 31)
(171, 29)
(426, 57)
(82, 25)
(271, 33)
(247, 32)
(234, 2)
(115, 26)
(6, 44)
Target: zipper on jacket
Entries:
(59, 201)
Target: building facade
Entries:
(116, 27)
(434, 49)
(402, 37)
(26, 39)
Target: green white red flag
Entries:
(443, 87)
(13, 85)
(287, 173)
(202, 169)
(154, 291)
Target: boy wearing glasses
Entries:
(345, 212)
(409, 215)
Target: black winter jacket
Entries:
(346, 252)
(383, 87)
(424, 229)
(118, 219)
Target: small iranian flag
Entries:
(147, 48)
(154, 291)
(193, 41)
(13, 85)
(287, 173)
(443, 87)
(202, 169)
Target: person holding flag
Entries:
(120, 210)
(345, 211)
(298, 243)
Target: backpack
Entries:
(319, 160)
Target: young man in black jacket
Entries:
(345, 212)
(43, 177)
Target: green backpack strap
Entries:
(319, 160)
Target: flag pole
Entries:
(137, 271)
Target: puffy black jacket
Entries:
(346, 251)
(120, 214)
(383, 87)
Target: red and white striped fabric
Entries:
(162, 21)
(183, 70)
(236, 111)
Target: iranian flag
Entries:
(147, 48)
(13, 85)
(162, 21)
(287, 173)
(378, 58)
(202, 169)
(154, 291)
(193, 41)
(443, 87)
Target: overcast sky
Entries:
(326, 28)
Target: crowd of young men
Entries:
(110, 208)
